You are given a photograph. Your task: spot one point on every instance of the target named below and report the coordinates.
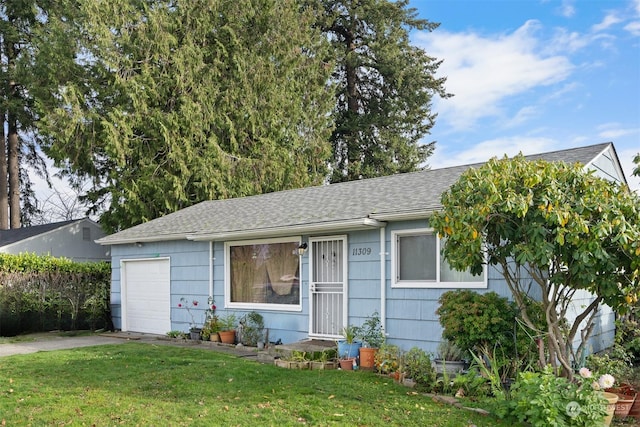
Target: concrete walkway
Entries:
(50, 342)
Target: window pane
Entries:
(265, 273)
(417, 257)
(448, 274)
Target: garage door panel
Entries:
(147, 293)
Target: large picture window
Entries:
(417, 262)
(263, 274)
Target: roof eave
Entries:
(322, 227)
(404, 216)
(150, 239)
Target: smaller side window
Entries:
(417, 263)
(86, 233)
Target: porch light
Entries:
(302, 248)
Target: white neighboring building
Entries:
(74, 239)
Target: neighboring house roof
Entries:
(327, 208)
(14, 235)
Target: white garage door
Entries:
(146, 296)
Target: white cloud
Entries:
(485, 150)
(483, 71)
(608, 21)
(566, 9)
(633, 28)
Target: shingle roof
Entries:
(350, 204)
(14, 235)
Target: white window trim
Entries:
(427, 284)
(256, 306)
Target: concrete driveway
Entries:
(44, 342)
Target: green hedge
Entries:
(43, 293)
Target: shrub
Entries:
(42, 293)
(542, 399)
(476, 321)
(417, 366)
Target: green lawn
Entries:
(144, 384)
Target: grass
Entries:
(144, 384)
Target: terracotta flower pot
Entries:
(347, 364)
(214, 337)
(227, 337)
(367, 357)
(626, 398)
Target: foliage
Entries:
(252, 329)
(350, 333)
(190, 305)
(553, 229)
(448, 350)
(191, 385)
(417, 366)
(389, 359)
(542, 399)
(228, 322)
(176, 334)
(475, 321)
(371, 332)
(614, 361)
(34, 34)
(471, 384)
(42, 293)
(628, 333)
(636, 160)
(384, 87)
(180, 102)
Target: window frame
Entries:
(252, 305)
(427, 284)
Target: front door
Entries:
(328, 286)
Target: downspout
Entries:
(383, 279)
(211, 259)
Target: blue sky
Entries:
(534, 75)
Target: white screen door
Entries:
(328, 286)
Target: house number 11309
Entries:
(361, 251)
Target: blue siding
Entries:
(411, 318)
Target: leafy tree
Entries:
(554, 231)
(636, 160)
(33, 36)
(185, 101)
(384, 87)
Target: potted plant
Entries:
(211, 325)
(227, 332)
(450, 358)
(372, 337)
(325, 360)
(252, 326)
(210, 329)
(194, 329)
(349, 347)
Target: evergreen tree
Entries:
(184, 101)
(384, 87)
(35, 54)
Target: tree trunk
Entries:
(14, 175)
(12, 138)
(4, 192)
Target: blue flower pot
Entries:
(348, 350)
